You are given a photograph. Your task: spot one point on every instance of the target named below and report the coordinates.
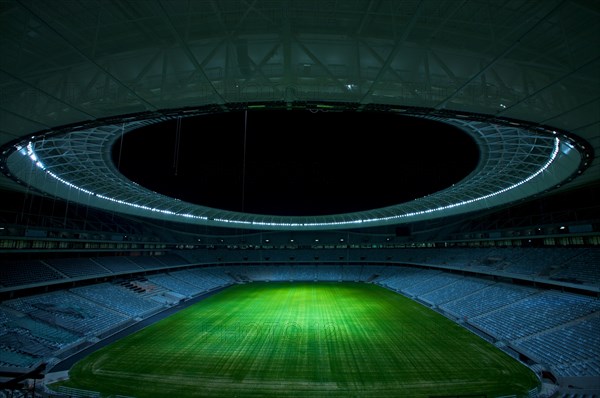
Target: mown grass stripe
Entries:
(303, 339)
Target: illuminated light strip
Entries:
(31, 154)
(428, 211)
(34, 158)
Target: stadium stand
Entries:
(203, 279)
(52, 337)
(352, 273)
(117, 264)
(147, 262)
(578, 268)
(486, 300)
(19, 273)
(24, 344)
(571, 349)
(328, 273)
(171, 260)
(174, 284)
(436, 282)
(456, 290)
(11, 357)
(554, 328)
(544, 310)
(77, 267)
(561, 264)
(264, 273)
(68, 311)
(118, 299)
(405, 277)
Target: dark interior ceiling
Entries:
(533, 61)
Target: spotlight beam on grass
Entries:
(303, 339)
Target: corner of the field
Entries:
(56, 376)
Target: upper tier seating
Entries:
(77, 267)
(584, 268)
(147, 262)
(573, 265)
(17, 273)
(118, 264)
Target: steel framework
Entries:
(516, 162)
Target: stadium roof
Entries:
(521, 77)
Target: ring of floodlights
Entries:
(516, 161)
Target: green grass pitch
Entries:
(303, 339)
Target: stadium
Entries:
(367, 198)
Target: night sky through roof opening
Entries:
(296, 163)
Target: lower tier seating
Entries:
(556, 329)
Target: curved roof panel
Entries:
(537, 62)
(516, 162)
